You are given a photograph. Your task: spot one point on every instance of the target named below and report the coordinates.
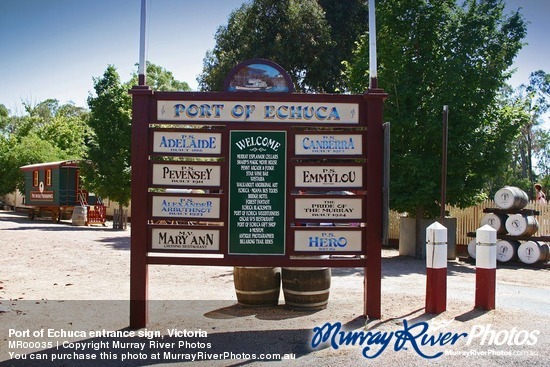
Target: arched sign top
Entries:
(258, 75)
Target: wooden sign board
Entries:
(240, 159)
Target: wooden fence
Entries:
(469, 219)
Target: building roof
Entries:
(59, 164)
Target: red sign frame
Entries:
(145, 121)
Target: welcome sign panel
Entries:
(257, 192)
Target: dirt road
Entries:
(72, 284)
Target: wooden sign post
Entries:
(254, 178)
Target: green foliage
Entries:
(30, 150)
(292, 33)
(48, 132)
(4, 118)
(530, 149)
(433, 54)
(160, 79)
(108, 174)
(108, 169)
(543, 156)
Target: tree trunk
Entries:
(418, 232)
(120, 222)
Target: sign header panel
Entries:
(258, 111)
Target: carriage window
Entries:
(35, 178)
(48, 177)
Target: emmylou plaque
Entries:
(257, 192)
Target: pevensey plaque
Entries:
(257, 192)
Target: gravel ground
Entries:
(69, 282)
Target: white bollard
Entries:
(436, 272)
(486, 250)
(486, 263)
(436, 246)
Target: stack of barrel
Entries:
(516, 224)
(304, 288)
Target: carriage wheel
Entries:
(55, 215)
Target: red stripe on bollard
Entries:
(436, 272)
(485, 288)
(486, 263)
(436, 290)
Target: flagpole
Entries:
(373, 82)
(142, 44)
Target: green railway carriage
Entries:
(55, 187)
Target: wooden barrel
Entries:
(306, 288)
(257, 287)
(507, 250)
(521, 225)
(496, 221)
(79, 216)
(472, 248)
(511, 197)
(530, 252)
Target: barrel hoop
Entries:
(305, 269)
(272, 290)
(306, 305)
(306, 293)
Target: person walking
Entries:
(540, 197)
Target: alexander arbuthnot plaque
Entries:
(257, 192)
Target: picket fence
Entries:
(469, 219)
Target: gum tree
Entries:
(292, 33)
(436, 53)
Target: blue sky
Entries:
(53, 48)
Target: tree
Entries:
(433, 54)
(158, 78)
(4, 118)
(48, 132)
(347, 21)
(107, 170)
(530, 149)
(535, 99)
(292, 33)
(30, 150)
(108, 173)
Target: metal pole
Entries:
(386, 186)
(142, 44)
(373, 82)
(444, 163)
